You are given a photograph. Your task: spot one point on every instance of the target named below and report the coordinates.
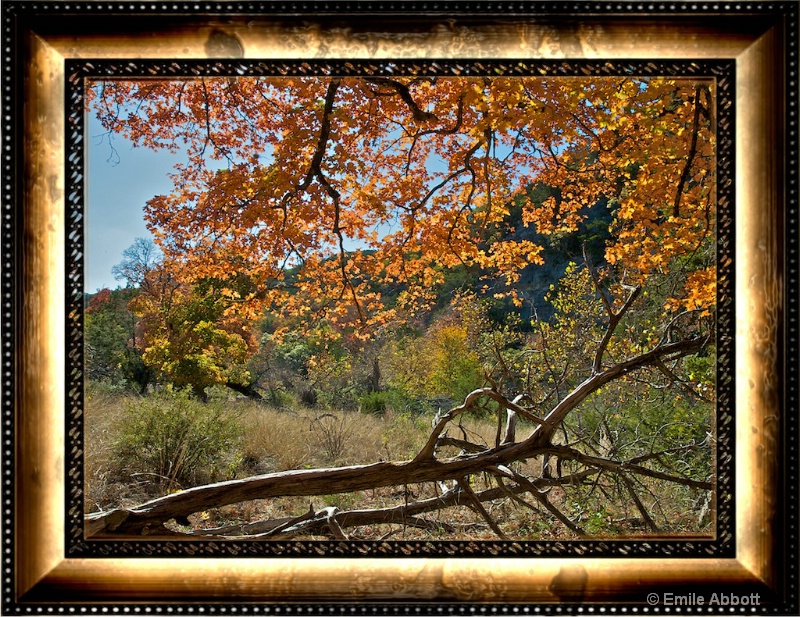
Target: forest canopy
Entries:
(325, 191)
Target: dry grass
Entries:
(104, 418)
(275, 440)
(272, 440)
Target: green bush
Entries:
(278, 397)
(394, 399)
(376, 403)
(175, 441)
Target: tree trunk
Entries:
(200, 393)
(247, 390)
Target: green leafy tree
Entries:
(192, 337)
(112, 341)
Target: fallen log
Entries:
(150, 517)
(405, 514)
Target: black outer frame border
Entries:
(78, 71)
(17, 14)
(411, 9)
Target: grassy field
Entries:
(260, 439)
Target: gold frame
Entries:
(43, 40)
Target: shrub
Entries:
(376, 403)
(332, 432)
(278, 397)
(178, 441)
(309, 396)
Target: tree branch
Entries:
(639, 505)
(613, 317)
(405, 95)
(622, 467)
(540, 497)
(149, 517)
(464, 484)
(676, 206)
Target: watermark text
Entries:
(669, 598)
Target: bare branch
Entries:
(622, 467)
(428, 449)
(598, 380)
(652, 455)
(614, 317)
(511, 427)
(464, 484)
(463, 444)
(292, 522)
(540, 496)
(639, 505)
(673, 378)
(330, 519)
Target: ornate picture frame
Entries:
(45, 568)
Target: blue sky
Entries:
(117, 192)
(121, 179)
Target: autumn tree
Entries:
(185, 336)
(345, 201)
(189, 337)
(352, 181)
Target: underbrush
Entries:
(178, 440)
(142, 447)
(138, 448)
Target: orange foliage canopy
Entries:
(327, 191)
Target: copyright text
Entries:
(697, 599)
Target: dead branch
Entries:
(476, 503)
(541, 497)
(620, 467)
(660, 453)
(639, 505)
(311, 522)
(150, 517)
(461, 444)
(429, 448)
(511, 427)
